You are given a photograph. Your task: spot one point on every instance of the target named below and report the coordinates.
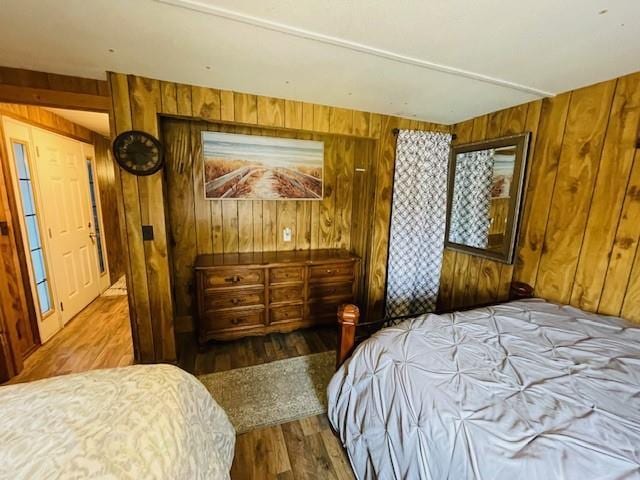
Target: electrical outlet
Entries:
(286, 234)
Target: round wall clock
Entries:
(138, 152)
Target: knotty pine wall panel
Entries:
(580, 230)
(355, 213)
(253, 226)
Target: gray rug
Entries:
(273, 393)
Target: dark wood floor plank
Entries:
(304, 449)
(245, 352)
(337, 455)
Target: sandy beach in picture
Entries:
(261, 168)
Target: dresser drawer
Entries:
(232, 320)
(257, 293)
(286, 274)
(329, 272)
(321, 290)
(285, 314)
(233, 277)
(233, 298)
(286, 294)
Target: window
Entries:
(94, 213)
(31, 224)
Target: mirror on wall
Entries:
(486, 181)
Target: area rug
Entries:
(273, 393)
(117, 289)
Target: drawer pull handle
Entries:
(235, 301)
(236, 321)
(234, 279)
(329, 271)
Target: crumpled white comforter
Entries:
(525, 390)
(138, 422)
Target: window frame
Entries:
(38, 222)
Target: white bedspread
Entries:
(139, 422)
(525, 390)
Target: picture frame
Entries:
(255, 167)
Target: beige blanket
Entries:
(139, 422)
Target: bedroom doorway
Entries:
(61, 183)
(59, 221)
(35, 333)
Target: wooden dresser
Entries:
(258, 293)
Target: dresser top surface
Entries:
(267, 258)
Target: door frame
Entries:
(104, 278)
(67, 92)
(44, 331)
(87, 154)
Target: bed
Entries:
(143, 421)
(526, 389)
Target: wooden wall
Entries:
(16, 324)
(137, 103)
(35, 115)
(200, 226)
(580, 228)
(52, 90)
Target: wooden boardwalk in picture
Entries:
(264, 183)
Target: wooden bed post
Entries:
(348, 316)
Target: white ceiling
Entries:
(437, 60)
(94, 121)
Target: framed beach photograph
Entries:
(252, 167)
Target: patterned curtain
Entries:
(416, 242)
(470, 219)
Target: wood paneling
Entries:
(254, 226)
(52, 90)
(577, 170)
(15, 321)
(47, 120)
(354, 214)
(580, 230)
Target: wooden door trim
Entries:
(15, 240)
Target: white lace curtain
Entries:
(418, 217)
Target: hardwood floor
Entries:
(299, 450)
(98, 337)
(248, 351)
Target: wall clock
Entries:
(138, 152)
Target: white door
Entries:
(63, 181)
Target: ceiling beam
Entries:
(44, 89)
(54, 98)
